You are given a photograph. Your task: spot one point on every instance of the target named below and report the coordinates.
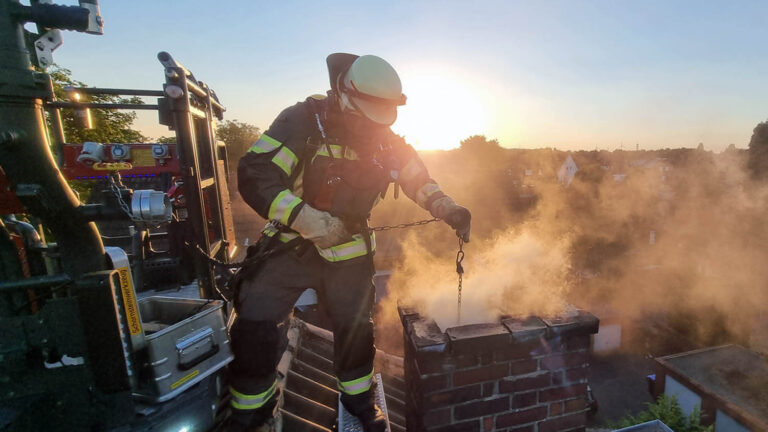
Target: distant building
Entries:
(726, 383)
(567, 171)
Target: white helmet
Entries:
(372, 88)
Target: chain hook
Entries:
(460, 271)
(460, 257)
(115, 186)
(459, 254)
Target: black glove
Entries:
(454, 215)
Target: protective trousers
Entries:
(265, 302)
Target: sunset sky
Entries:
(564, 74)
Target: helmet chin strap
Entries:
(347, 106)
(354, 119)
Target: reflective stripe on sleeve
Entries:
(346, 251)
(356, 386)
(265, 144)
(426, 191)
(286, 160)
(249, 402)
(282, 206)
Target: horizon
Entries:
(571, 76)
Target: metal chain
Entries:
(264, 255)
(460, 271)
(402, 225)
(238, 264)
(459, 254)
(271, 251)
(213, 260)
(119, 196)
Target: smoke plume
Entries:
(674, 236)
(514, 273)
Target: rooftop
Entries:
(731, 373)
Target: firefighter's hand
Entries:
(321, 228)
(456, 216)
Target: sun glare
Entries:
(441, 111)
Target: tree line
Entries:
(113, 126)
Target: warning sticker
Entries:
(142, 157)
(129, 301)
(185, 379)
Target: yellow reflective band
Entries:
(426, 191)
(285, 237)
(348, 154)
(356, 386)
(282, 206)
(410, 171)
(248, 402)
(265, 144)
(346, 251)
(286, 160)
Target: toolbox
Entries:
(186, 341)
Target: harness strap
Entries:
(311, 146)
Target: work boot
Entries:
(373, 419)
(264, 419)
(274, 424)
(255, 424)
(364, 407)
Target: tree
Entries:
(108, 125)
(479, 143)
(758, 151)
(166, 140)
(238, 136)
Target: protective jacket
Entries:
(311, 156)
(308, 157)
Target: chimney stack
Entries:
(517, 374)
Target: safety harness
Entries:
(333, 177)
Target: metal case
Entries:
(186, 341)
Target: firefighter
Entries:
(315, 174)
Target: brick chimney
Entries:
(517, 374)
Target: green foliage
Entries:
(82, 188)
(758, 151)
(109, 126)
(166, 140)
(479, 143)
(668, 411)
(238, 136)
